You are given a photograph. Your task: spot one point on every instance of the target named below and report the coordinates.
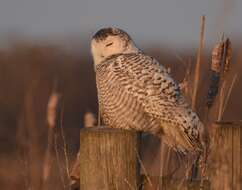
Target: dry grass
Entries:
(198, 64)
(52, 111)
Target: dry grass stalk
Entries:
(55, 113)
(185, 85)
(130, 186)
(221, 100)
(99, 117)
(52, 109)
(54, 118)
(89, 119)
(48, 158)
(58, 159)
(144, 169)
(28, 140)
(198, 64)
(51, 116)
(229, 93)
(22, 161)
(65, 146)
(75, 173)
(228, 56)
(226, 64)
(60, 165)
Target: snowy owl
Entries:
(136, 92)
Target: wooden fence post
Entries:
(108, 159)
(226, 156)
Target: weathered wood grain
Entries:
(108, 159)
(173, 184)
(225, 156)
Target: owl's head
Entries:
(110, 41)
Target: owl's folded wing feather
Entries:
(160, 96)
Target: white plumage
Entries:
(136, 92)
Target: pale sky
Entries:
(165, 22)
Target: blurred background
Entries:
(45, 46)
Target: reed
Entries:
(198, 64)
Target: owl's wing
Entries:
(150, 84)
(144, 78)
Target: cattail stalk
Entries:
(220, 67)
(198, 64)
(51, 117)
(217, 56)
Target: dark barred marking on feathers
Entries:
(130, 103)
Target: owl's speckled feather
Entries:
(136, 92)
